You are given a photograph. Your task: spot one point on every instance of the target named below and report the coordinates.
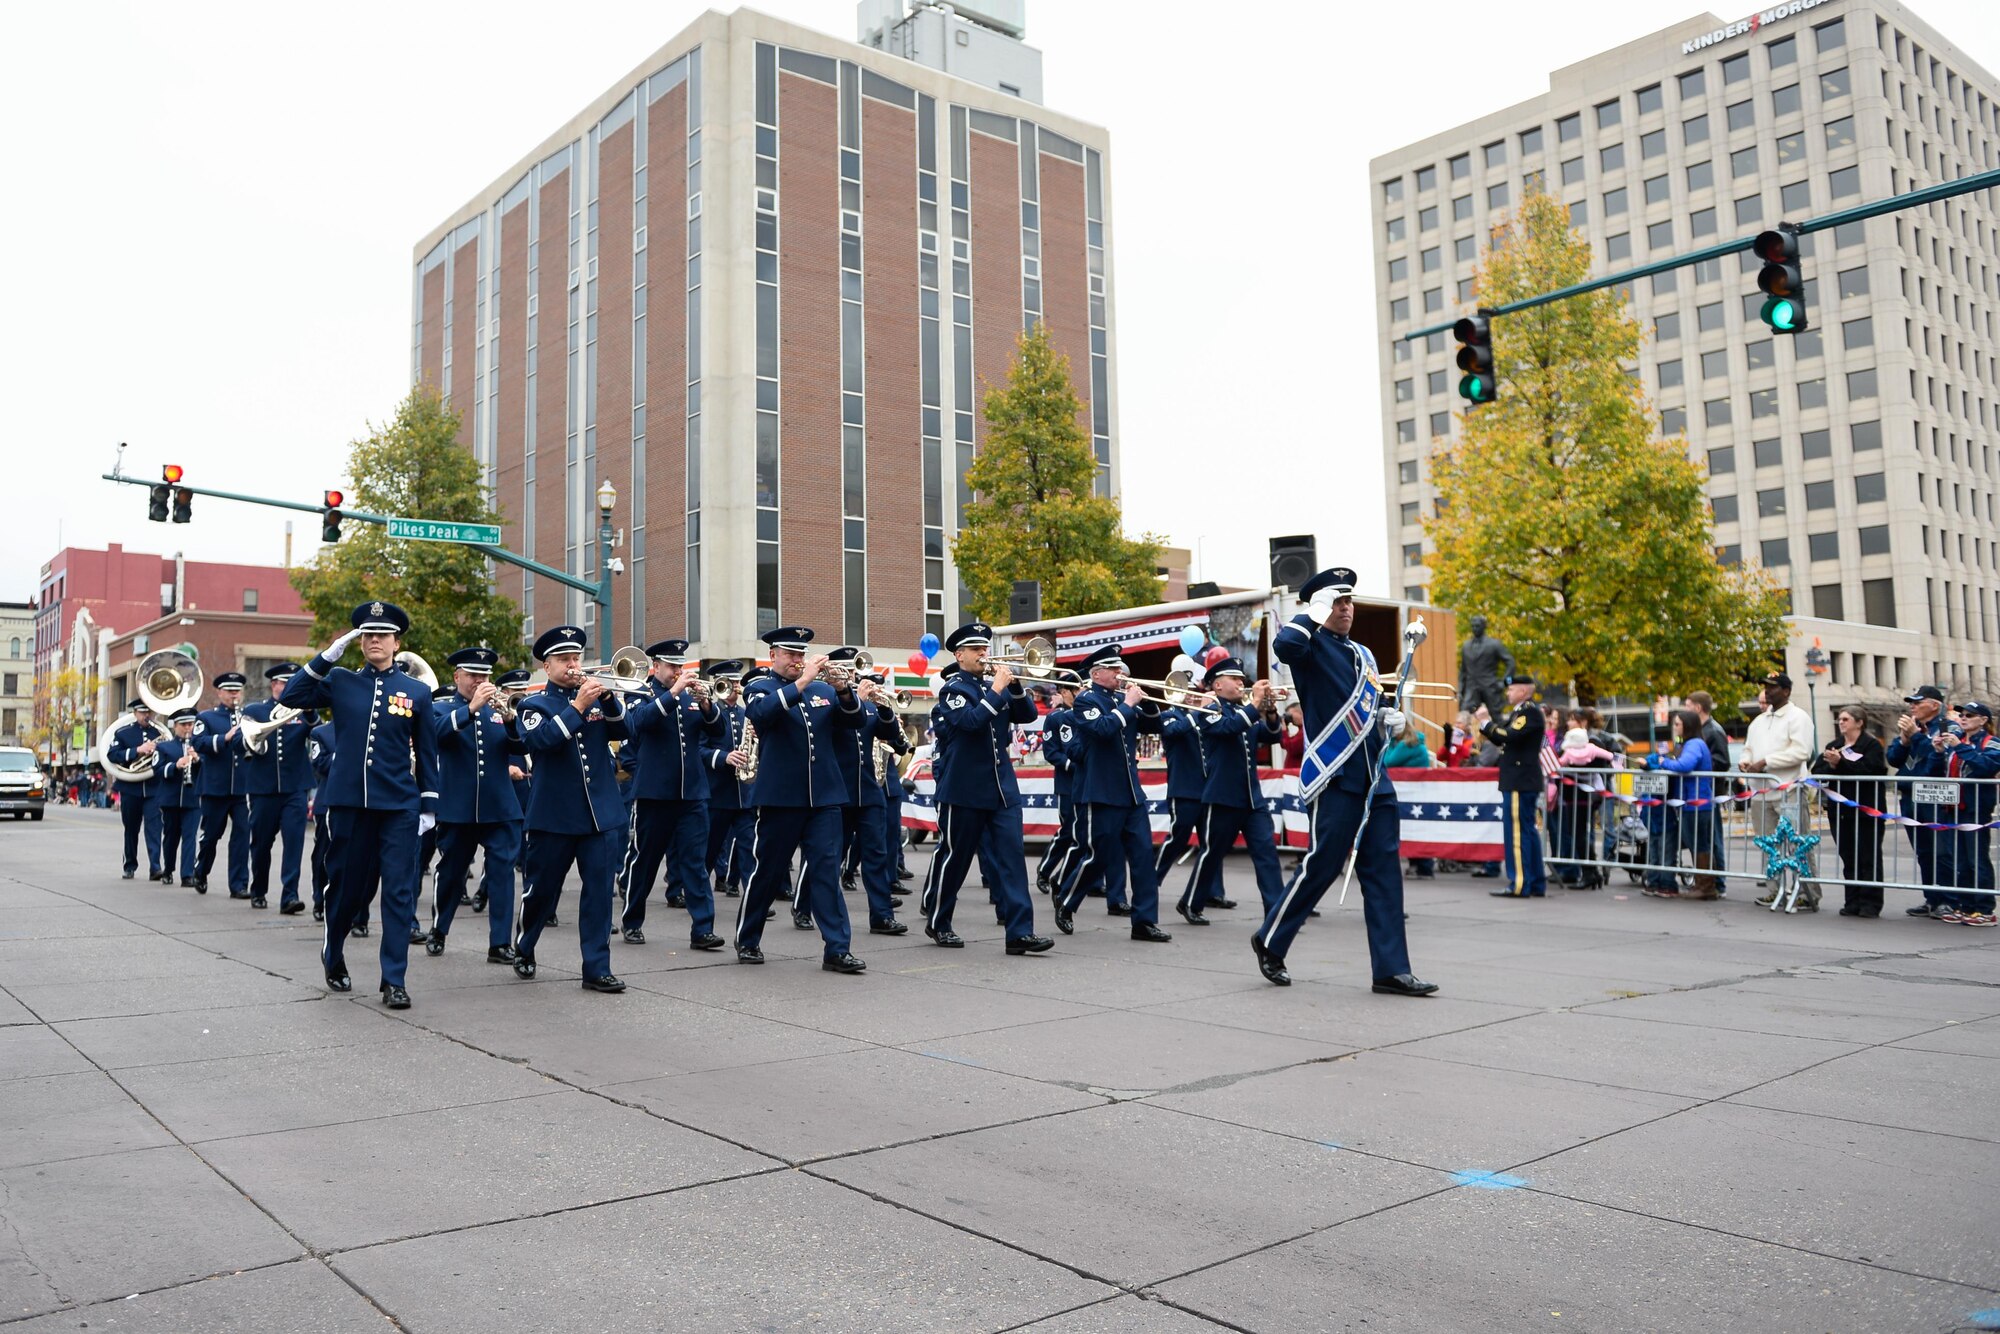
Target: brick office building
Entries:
(761, 284)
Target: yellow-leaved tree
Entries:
(1583, 537)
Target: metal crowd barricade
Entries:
(1685, 833)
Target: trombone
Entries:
(1431, 690)
(1035, 660)
(628, 673)
(1174, 692)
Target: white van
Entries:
(24, 788)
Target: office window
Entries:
(1440, 423)
(1870, 487)
(1775, 552)
(1812, 393)
(1771, 503)
(1721, 460)
(1857, 333)
(1435, 382)
(1834, 84)
(1791, 148)
(249, 599)
(1427, 179)
(1878, 596)
(1795, 197)
(1406, 431)
(1708, 317)
(1611, 157)
(1460, 166)
(1572, 171)
(1429, 259)
(1806, 345)
(1830, 36)
(1413, 553)
(1399, 310)
(1715, 412)
(1531, 141)
(1823, 546)
(1461, 208)
(1701, 175)
(1656, 190)
(1693, 84)
(1464, 290)
(1861, 384)
(1763, 403)
(1653, 144)
(1569, 127)
(1715, 365)
(1759, 355)
(1669, 373)
(1840, 133)
(1863, 436)
(1875, 542)
(1392, 191)
(1785, 100)
(1405, 390)
(1854, 282)
(1749, 209)
(1579, 213)
(1496, 195)
(1784, 51)
(1816, 445)
(1399, 269)
(1659, 236)
(1767, 453)
(1648, 99)
(1847, 181)
(1743, 162)
(1464, 250)
(1729, 554)
(1496, 154)
(1742, 115)
(1394, 229)
(1618, 247)
(1694, 130)
(1406, 471)
(1819, 495)
(1607, 114)
(1614, 203)
(1408, 512)
(1723, 508)
(1673, 421)
(1736, 69)
(1701, 222)
(1427, 219)
(1826, 597)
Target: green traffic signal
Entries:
(1475, 358)
(1476, 389)
(1782, 315)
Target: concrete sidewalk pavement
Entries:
(1619, 1114)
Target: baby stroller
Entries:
(1629, 844)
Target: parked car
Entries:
(24, 788)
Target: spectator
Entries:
(1407, 751)
(1778, 745)
(1717, 742)
(1963, 854)
(1688, 759)
(1856, 764)
(1920, 750)
(1459, 745)
(1583, 765)
(1295, 737)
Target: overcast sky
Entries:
(214, 207)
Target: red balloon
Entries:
(919, 664)
(1215, 654)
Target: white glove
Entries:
(1393, 721)
(338, 647)
(426, 823)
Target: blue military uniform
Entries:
(575, 812)
(1187, 775)
(1232, 798)
(278, 781)
(381, 791)
(1520, 735)
(319, 749)
(1965, 855)
(224, 800)
(863, 818)
(1924, 756)
(1058, 735)
(138, 808)
(671, 794)
(515, 681)
(731, 818)
(799, 794)
(979, 798)
(477, 809)
(1354, 812)
(179, 801)
(1114, 825)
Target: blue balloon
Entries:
(928, 646)
(1193, 641)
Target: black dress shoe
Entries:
(201, 884)
(418, 935)
(1921, 910)
(189, 882)
(770, 914)
(1193, 917)
(319, 914)
(1220, 903)
(707, 940)
(749, 954)
(842, 963)
(1850, 912)
(360, 929)
(395, 997)
(802, 919)
(551, 922)
(905, 873)
(1120, 910)
(524, 967)
(260, 902)
(128, 875)
(1148, 932)
(1030, 945)
(847, 885)
(1403, 984)
(291, 907)
(339, 982)
(634, 936)
(948, 938)
(891, 927)
(479, 901)
(500, 954)
(434, 943)
(607, 984)
(234, 895)
(677, 901)
(464, 899)
(164, 877)
(1065, 924)
(732, 891)
(1270, 965)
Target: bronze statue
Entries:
(1483, 664)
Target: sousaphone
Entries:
(169, 681)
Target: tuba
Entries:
(169, 681)
(412, 664)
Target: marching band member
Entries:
(892, 736)
(138, 809)
(1058, 736)
(276, 781)
(1187, 775)
(862, 820)
(477, 808)
(799, 795)
(1350, 802)
(574, 811)
(381, 789)
(1232, 798)
(180, 800)
(671, 793)
(1519, 735)
(1114, 827)
(319, 750)
(731, 818)
(521, 771)
(223, 799)
(978, 795)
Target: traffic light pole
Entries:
(600, 592)
(1965, 185)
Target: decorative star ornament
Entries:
(1786, 849)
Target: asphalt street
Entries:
(1618, 1114)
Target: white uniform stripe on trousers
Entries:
(743, 901)
(934, 890)
(1089, 858)
(1317, 845)
(1200, 859)
(631, 852)
(1062, 868)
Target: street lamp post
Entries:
(1816, 663)
(607, 564)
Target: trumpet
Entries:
(842, 675)
(256, 736)
(628, 672)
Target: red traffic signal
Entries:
(171, 473)
(335, 499)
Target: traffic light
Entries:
(1782, 280)
(183, 504)
(329, 518)
(1475, 358)
(156, 504)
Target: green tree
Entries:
(1035, 512)
(415, 467)
(1584, 538)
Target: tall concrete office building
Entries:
(1856, 461)
(761, 284)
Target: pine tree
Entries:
(1035, 512)
(1584, 538)
(413, 467)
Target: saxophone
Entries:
(749, 747)
(880, 752)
